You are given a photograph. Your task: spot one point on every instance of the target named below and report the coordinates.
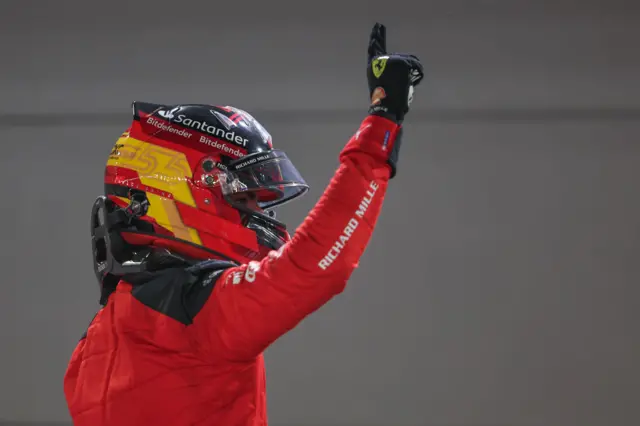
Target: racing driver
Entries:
(197, 277)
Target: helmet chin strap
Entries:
(267, 236)
(265, 226)
(247, 213)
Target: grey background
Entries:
(501, 285)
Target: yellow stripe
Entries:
(165, 211)
(164, 169)
(161, 168)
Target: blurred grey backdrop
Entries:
(501, 286)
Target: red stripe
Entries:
(217, 227)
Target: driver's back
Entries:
(137, 366)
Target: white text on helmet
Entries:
(207, 127)
(162, 126)
(251, 161)
(220, 146)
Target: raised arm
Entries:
(252, 305)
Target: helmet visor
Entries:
(269, 176)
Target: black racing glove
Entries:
(392, 77)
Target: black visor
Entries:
(270, 176)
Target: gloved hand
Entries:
(391, 77)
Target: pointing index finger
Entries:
(377, 41)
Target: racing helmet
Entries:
(180, 179)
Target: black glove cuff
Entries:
(383, 112)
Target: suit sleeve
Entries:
(254, 304)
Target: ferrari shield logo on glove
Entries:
(378, 65)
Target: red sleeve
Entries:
(252, 305)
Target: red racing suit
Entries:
(138, 366)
